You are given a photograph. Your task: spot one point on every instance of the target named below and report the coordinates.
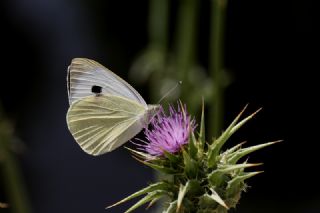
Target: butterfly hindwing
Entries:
(102, 123)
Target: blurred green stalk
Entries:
(158, 35)
(186, 38)
(158, 23)
(216, 64)
(11, 175)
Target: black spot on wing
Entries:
(96, 89)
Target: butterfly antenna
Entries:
(170, 91)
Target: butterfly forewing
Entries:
(102, 123)
(84, 74)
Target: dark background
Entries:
(270, 49)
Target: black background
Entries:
(270, 51)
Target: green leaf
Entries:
(234, 157)
(223, 157)
(215, 147)
(171, 157)
(241, 123)
(216, 177)
(154, 187)
(193, 151)
(191, 166)
(207, 201)
(195, 189)
(149, 197)
(234, 185)
(188, 206)
(159, 167)
(231, 168)
(233, 149)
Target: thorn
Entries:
(274, 142)
(151, 204)
(255, 164)
(253, 114)
(277, 141)
(257, 172)
(242, 111)
(113, 205)
(243, 142)
(138, 159)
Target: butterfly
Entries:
(105, 111)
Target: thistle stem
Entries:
(158, 23)
(218, 15)
(158, 35)
(186, 37)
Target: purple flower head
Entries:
(168, 132)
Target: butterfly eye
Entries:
(96, 89)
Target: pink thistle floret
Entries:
(168, 133)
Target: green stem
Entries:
(14, 187)
(216, 64)
(158, 23)
(186, 37)
(158, 35)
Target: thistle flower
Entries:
(168, 133)
(205, 178)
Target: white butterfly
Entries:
(105, 111)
